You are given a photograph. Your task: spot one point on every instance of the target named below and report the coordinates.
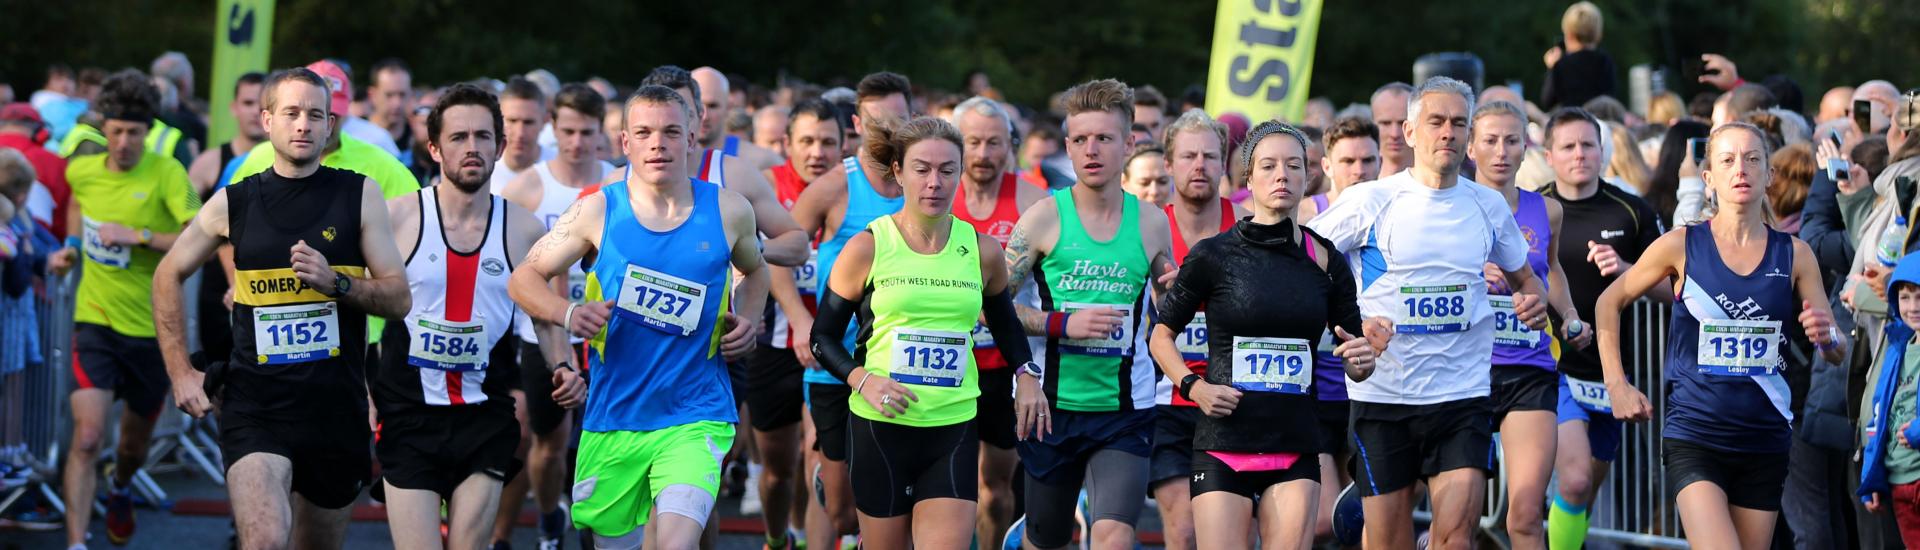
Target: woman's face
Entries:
(1737, 169)
(928, 174)
(1278, 176)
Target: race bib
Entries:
(297, 333)
(1591, 396)
(929, 357)
(1283, 365)
(447, 345)
(806, 277)
(1727, 347)
(97, 249)
(1433, 309)
(1507, 328)
(1192, 341)
(1114, 344)
(660, 301)
(577, 286)
(982, 337)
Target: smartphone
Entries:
(1697, 148)
(1838, 170)
(1863, 115)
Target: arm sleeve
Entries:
(830, 332)
(1343, 302)
(1189, 290)
(1004, 323)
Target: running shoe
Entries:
(1349, 519)
(1015, 532)
(119, 515)
(553, 528)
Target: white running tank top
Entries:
(460, 305)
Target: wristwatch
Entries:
(146, 237)
(563, 365)
(341, 284)
(1031, 368)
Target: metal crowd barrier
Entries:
(44, 423)
(39, 393)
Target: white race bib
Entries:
(297, 333)
(1283, 365)
(663, 302)
(447, 345)
(1507, 328)
(1433, 309)
(577, 286)
(806, 277)
(1591, 396)
(982, 337)
(1115, 344)
(97, 249)
(929, 357)
(1728, 347)
(1192, 341)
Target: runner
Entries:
(716, 103)
(845, 199)
(314, 257)
(547, 190)
(659, 414)
(245, 108)
(1145, 176)
(1197, 157)
(1422, 238)
(447, 433)
(921, 279)
(1247, 451)
(776, 385)
(992, 200)
(129, 207)
(1728, 426)
(1389, 106)
(341, 151)
(1353, 156)
(1609, 229)
(1092, 251)
(524, 108)
(1526, 392)
(784, 245)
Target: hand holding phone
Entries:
(1697, 148)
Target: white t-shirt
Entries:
(1417, 255)
(365, 130)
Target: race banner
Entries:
(1262, 58)
(242, 41)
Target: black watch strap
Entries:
(1186, 385)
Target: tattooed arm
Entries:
(574, 235)
(1033, 237)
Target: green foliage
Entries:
(1030, 49)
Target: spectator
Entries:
(1742, 99)
(174, 68)
(1792, 175)
(1664, 108)
(1625, 167)
(22, 130)
(1577, 69)
(1836, 104)
(1663, 189)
